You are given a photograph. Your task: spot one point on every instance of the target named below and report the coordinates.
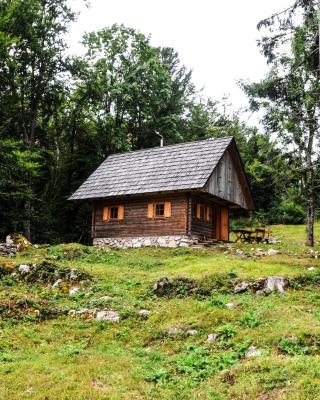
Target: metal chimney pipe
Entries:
(161, 138)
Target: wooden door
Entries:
(224, 223)
(217, 223)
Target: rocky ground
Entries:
(236, 321)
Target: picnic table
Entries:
(252, 235)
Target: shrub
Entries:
(250, 320)
(226, 332)
(291, 213)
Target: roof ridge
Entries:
(169, 145)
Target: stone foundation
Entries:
(147, 241)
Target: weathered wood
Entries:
(224, 223)
(137, 220)
(181, 217)
(229, 182)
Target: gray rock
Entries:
(192, 332)
(24, 269)
(73, 275)
(9, 240)
(73, 290)
(144, 313)
(56, 284)
(276, 284)
(81, 311)
(253, 352)
(231, 306)
(161, 285)
(242, 287)
(107, 315)
(212, 337)
(173, 331)
(272, 252)
(106, 298)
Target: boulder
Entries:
(161, 286)
(231, 306)
(9, 240)
(173, 331)
(253, 352)
(106, 298)
(107, 315)
(192, 332)
(212, 337)
(73, 275)
(242, 287)
(73, 290)
(56, 284)
(276, 284)
(24, 269)
(144, 313)
(272, 252)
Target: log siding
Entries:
(136, 221)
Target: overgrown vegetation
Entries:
(52, 346)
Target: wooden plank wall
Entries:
(136, 221)
(201, 227)
(225, 182)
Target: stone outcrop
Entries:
(147, 241)
(276, 284)
(8, 249)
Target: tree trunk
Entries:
(310, 223)
(27, 222)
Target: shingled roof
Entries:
(159, 169)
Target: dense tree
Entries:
(61, 116)
(32, 65)
(290, 92)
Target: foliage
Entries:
(40, 341)
(292, 213)
(289, 94)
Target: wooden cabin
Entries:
(170, 196)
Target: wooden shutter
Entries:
(120, 212)
(167, 209)
(105, 215)
(208, 214)
(198, 210)
(150, 210)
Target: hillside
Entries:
(200, 339)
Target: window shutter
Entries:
(120, 212)
(150, 210)
(208, 214)
(167, 209)
(105, 215)
(198, 210)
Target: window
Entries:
(113, 213)
(159, 210)
(203, 212)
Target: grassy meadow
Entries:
(46, 353)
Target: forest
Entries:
(61, 115)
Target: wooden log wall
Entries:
(136, 221)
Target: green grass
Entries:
(57, 356)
